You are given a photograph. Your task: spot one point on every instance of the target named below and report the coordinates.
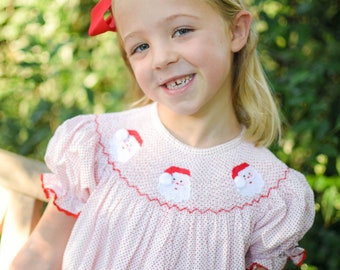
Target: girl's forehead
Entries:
(161, 4)
(130, 10)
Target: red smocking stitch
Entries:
(169, 206)
(48, 192)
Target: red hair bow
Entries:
(98, 23)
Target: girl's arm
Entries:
(45, 247)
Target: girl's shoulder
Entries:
(261, 168)
(129, 115)
(74, 152)
(110, 117)
(89, 123)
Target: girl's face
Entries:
(180, 53)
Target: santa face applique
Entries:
(247, 180)
(175, 184)
(125, 145)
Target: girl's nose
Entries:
(163, 56)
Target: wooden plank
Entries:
(21, 217)
(21, 174)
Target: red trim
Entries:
(255, 265)
(173, 169)
(303, 256)
(135, 134)
(175, 206)
(49, 193)
(239, 168)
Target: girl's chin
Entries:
(178, 109)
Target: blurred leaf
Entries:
(330, 199)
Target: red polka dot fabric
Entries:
(145, 200)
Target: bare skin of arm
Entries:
(45, 248)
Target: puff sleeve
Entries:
(70, 156)
(287, 215)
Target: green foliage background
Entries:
(50, 70)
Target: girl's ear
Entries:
(240, 30)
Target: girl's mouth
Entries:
(179, 83)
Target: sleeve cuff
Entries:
(296, 254)
(61, 204)
(255, 266)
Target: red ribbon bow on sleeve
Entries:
(99, 24)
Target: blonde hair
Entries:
(252, 98)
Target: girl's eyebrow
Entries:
(175, 16)
(165, 20)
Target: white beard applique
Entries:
(175, 184)
(247, 180)
(125, 144)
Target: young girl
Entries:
(184, 181)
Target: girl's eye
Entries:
(181, 32)
(140, 48)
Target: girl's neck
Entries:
(203, 130)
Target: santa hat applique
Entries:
(247, 180)
(124, 134)
(239, 181)
(125, 144)
(175, 184)
(168, 176)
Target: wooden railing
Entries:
(21, 202)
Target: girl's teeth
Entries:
(179, 83)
